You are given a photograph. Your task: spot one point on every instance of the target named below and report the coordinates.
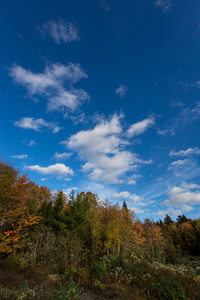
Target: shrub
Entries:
(69, 292)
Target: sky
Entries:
(104, 96)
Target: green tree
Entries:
(168, 220)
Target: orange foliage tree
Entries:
(18, 207)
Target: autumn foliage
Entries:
(66, 234)
(20, 201)
(103, 228)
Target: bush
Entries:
(99, 267)
(166, 288)
(69, 292)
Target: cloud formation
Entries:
(139, 210)
(62, 156)
(185, 168)
(185, 117)
(51, 85)
(121, 91)
(140, 127)
(132, 179)
(32, 143)
(22, 156)
(188, 152)
(59, 31)
(169, 211)
(58, 170)
(179, 196)
(164, 4)
(103, 149)
(132, 198)
(37, 124)
(122, 195)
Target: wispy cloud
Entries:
(176, 103)
(22, 156)
(51, 85)
(132, 179)
(166, 5)
(58, 170)
(103, 149)
(59, 31)
(179, 163)
(188, 152)
(79, 119)
(121, 91)
(62, 156)
(32, 143)
(190, 186)
(37, 124)
(185, 117)
(185, 168)
(140, 127)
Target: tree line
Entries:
(78, 229)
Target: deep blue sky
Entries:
(103, 95)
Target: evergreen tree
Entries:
(182, 219)
(168, 220)
(125, 206)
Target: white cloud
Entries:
(68, 191)
(187, 208)
(140, 127)
(164, 4)
(37, 124)
(22, 156)
(174, 212)
(60, 31)
(138, 210)
(64, 100)
(132, 179)
(103, 149)
(121, 91)
(137, 200)
(182, 166)
(188, 152)
(59, 170)
(179, 163)
(79, 119)
(185, 168)
(176, 103)
(32, 143)
(169, 211)
(51, 84)
(190, 186)
(62, 156)
(179, 196)
(184, 118)
(44, 179)
(99, 189)
(121, 195)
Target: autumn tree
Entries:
(18, 207)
